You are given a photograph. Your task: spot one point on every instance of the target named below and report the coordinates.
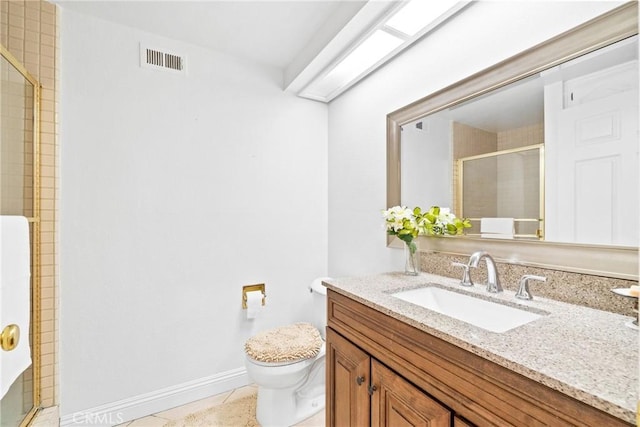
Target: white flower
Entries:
(445, 216)
(396, 225)
(398, 218)
(397, 213)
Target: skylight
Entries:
(394, 32)
(372, 50)
(417, 14)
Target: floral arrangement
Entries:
(408, 224)
(440, 221)
(401, 222)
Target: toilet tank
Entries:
(319, 305)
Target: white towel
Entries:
(504, 226)
(15, 302)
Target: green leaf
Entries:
(406, 238)
(452, 229)
(428, 227)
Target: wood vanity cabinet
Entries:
(384, 372)
(364, 392)
(348, 370)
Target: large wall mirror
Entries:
(542, 149)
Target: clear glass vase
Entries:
(411, 267)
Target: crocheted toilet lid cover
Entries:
(285, 344)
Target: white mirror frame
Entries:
(600, 260)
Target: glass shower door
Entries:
(19, 181)
(505, 184)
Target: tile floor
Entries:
(159, 419)
(48, 417)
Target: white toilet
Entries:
(288, 365)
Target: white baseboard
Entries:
(157, 401)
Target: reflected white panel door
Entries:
(598, 169)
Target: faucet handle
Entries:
(523, 287)
(466, 278)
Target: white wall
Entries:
(483, 34)
(425, 155)
(176, 191)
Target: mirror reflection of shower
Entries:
(504, 184)
(584, 113)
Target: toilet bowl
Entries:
(288, 392)
(288, 365)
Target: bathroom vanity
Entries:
(391, 362)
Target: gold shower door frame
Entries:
(34, 222)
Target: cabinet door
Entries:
(348, 379)
(398, 403)
(459, 422)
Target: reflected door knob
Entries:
(10, 337)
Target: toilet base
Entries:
(280, 407)
(285, 407)
(308, 407)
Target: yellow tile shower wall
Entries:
(521, 137)
(523, 202)
(16, 160)
(469, 141)
(29, 32)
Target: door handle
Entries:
(10, 337)
(360, 380)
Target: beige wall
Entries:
(520, 137)
(28, 31)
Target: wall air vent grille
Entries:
(173, 61)
(161, 60)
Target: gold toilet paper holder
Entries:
(251, 288)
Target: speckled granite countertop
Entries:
(585, 353)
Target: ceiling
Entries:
(274, 33)
(308, 40)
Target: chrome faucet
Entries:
(523, 287)
(493, 281)
(466, 278)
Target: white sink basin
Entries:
(492, 316)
